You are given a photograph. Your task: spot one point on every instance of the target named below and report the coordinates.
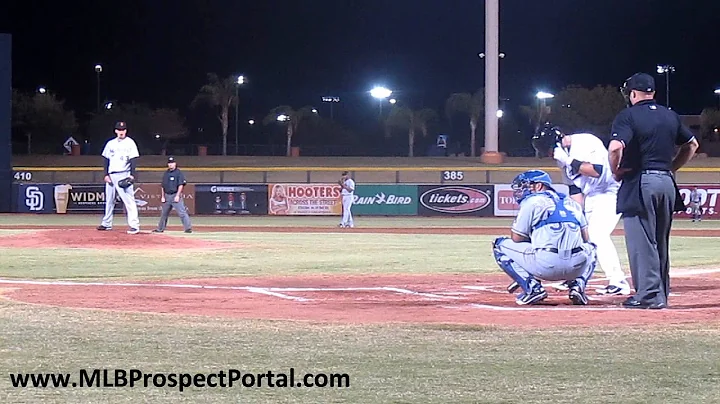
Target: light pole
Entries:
(666, 70)
(542, 97)
(491, 154)
(240, 81)
(331, 101)
(42, 90)
(380, 93)
(98, 70)
(717, 92)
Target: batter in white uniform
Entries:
(348, 192)
(583, 161)
(120, 159)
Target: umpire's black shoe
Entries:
(104, 228)
(188, 231)
(632, 303)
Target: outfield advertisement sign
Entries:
(229, 199)
(385, 200)
(455, 200)
(504, 201)
(34, 198)
(304, 199)
(708, 200)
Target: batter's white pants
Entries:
(347, 219)
(602, 220)
(127, 196)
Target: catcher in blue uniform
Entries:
(549, 241)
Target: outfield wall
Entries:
(305, 199)
(456, 174)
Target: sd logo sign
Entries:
(470, 200)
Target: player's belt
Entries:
(555, 250)
(660, 172)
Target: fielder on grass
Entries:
(549, 241)
(348, 194)
(584, 164)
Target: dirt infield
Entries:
(480, 300)
(458, 299)
(480, 230)
(103, 240)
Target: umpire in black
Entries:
(643, 155)
(173, 183)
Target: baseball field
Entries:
(410, 310)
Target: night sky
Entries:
(294, 52)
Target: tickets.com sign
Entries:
(466, 200)
(708, 200)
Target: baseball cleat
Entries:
(615, 290)
(104, 228)
(562, 286)
(513, 287)
(188, 231)
(577, 296)
(133, 231)
(157, 231)
(536, 296)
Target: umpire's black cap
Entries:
(171, 159)
(640, 82)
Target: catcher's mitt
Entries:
(125, 182)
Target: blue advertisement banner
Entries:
(35, 198)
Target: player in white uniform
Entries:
(120, 159)
(348, 192)
(583, 161)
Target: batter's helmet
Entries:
(545, 139)
(521, 183)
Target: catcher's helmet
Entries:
(545, 139)
(521, 183)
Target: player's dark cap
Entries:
(345, 173)
(640, 82)
(121, 125)
(171, 159)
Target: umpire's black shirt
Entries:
(650, 133)
(172, 179)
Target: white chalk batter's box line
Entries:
(283, 293)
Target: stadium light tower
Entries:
(98, 70)
(542, 97)
(666, 70)
(240, 81)
(381, 94)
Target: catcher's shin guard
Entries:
(506, 264)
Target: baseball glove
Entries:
(125, 182)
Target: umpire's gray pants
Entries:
(647, 239)
(179, 208)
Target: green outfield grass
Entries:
(389, 363)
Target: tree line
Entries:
(43, 118)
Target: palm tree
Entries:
(286, 115)
(218, 94)
(471, 105)
(406, 118)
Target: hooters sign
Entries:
(708, 200)
(304, 199)
(505, 204)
